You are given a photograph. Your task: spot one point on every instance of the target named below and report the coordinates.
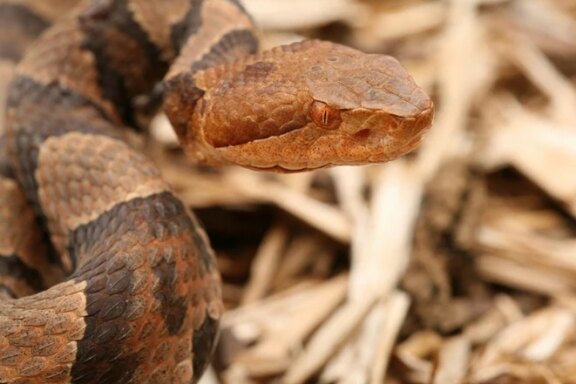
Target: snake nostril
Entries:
(362, 134)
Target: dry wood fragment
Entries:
(363, 359)
(319, 215)
(540, 70)
(264, 265)
(413, 354)
(534, 338)
(304, 252)
(548, 26)
(279, 325)
(453, 361)
(325, 342)
(397, 307)
(463, 65)
(402, 22)
(516, 138)
(297, 14)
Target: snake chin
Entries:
(287, 168)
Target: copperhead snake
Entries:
(105, 277)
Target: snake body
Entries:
(105, 277)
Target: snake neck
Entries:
(226, 34)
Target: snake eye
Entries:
(325, 116)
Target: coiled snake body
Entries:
(105, 277)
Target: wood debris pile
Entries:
(455, 264)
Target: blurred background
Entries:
(455, 264)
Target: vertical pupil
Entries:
(324, 117)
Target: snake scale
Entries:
(105, 277)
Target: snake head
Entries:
(305, 106)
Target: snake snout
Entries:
(375, 136)
(413, 128)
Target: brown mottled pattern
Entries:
(21, 236)
(142, 300)
(60, 58)
(224, 17)
(94, 174)
(382, 112)
(114, 39)
(19, 279)
(5, 168)
(144, 304)
(46, 111)
(272, 111)
(152, 14)
(181, 90)
(38, 334)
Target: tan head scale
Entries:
(304, 106)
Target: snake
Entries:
(106, 276)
